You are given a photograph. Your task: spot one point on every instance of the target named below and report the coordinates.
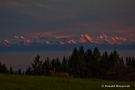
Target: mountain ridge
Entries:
(101, 39)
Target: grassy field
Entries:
(17, 82)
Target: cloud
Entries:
(56, 0)
(67, 17)
(52, 34)
(61, 0)
(126, 30)
(40, 5)
(15, 3)
(8, 3)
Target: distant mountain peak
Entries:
(120, 38)
(82, 40)
(47, 42)
(71, 42)
(62, 43)
(89, 38)
(6, 43)
(16, 36)
(22, 37)
(103, 36)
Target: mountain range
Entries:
(101, 39)
(85, 40)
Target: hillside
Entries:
(17, 82)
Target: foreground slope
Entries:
(16, 82)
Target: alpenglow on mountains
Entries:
(102, 41)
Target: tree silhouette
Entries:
(95, 62)
(104, 65)
(73, 61)
(81, 62)
(58, 65)
(28, 71)
(88, 60)
(85, 64)
(133, 62)
(3, 68)
(15, 72)
(130, 61)
(53, 64)
(19, 72)
(37, 66)
(65, 66)
(11, 70)
(0, 67)
(121, 72)
(46, 67)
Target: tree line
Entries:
(82, 64)
(5, 70)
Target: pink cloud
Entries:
(41, 5)
(7, 3)
(51, 34)
(129, 32)
(110, 26)
(60, 0)
(99, 23)
(36, 34)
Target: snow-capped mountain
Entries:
(86, 38)
(101, 39)
(104, 39)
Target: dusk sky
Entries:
(66, 18)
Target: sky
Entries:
(67, 18)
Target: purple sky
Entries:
(65, 18)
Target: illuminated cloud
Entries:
(16, 3)
(9, 3)
(66, 18)
(44, 34)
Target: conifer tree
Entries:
(73, 61)
(0, 67)
(104, 65)
(121, 72)
(127, 60)
(28, 71)
(37, 66)
(46, 66)
(88, 60)
(19, 71)
(133, 62)
(65, 65)
(122, 60)
(81, 62)
(95, 62)
(4, 69)
(15, 72)
(53, 64)
(11, 70)
(113, 58)
(58, 65)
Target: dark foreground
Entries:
(19, 82)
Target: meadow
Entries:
(26, 82)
